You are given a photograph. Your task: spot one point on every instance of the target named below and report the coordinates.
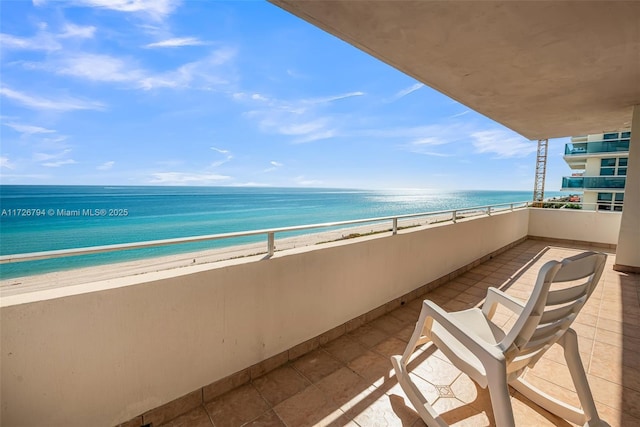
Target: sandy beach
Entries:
(78, 276)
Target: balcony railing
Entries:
(595, 147)
(448, 215)
(593, 182)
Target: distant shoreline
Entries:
(77, 276)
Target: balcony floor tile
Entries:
(349, 381)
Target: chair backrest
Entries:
(549, 312)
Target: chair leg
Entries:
(423, 325)
(499, 392)
(417, 399)
(550, 403)
(420, 336)
(587, 415)
(569, 343)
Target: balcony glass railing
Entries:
(584, 148)
(593, 182)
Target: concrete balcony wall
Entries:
(576, 225)
(104, 352)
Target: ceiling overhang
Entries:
(542, 68)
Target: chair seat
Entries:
(463, 358)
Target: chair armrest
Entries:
(496, 296)
(458, 330)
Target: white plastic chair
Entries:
(496, 358)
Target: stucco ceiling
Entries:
(542, 68)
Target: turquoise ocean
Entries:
(44, 218)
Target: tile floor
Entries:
(349, 381)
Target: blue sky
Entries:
(163, 92)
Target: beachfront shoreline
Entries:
(82, 275)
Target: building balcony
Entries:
(348, 380)
(579, 149)
(303, 337)
(576, 153)
(593, 182)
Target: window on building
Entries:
(610, 201)
(607, 171)
(611, 135)
(618, 202)
(625, 135)
(604, 201)
(612, 166)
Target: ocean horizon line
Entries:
(267, 186)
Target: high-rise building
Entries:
(600, 162)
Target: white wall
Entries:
(572, 224)
(592, 168)
(102, 353)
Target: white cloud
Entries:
(182, 178)
(57, 143)
(155, 9)
(404, 92)
(301, 180)
(460, 114)
(177, 42)
(316, 136)
(72, 30)
(203, 73)
(421, 146)
(333, 98)
(43, 157)
(303, 128)
(251, 184)
(302, 119)
(304, 131)
(228, 157)
(28, 129)
(5, 163)
(59, 163)
(20, 178)
(93, 67)
(503, 143)
(42, 41)
(45, 40)
(429, 141)
(258, 97)
(39, 103)
(106, 165)
(274, 166)
(431, 153)
(221, 162)
(297, 118)
(295, 74)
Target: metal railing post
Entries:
(271, 243)
(395, 226)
